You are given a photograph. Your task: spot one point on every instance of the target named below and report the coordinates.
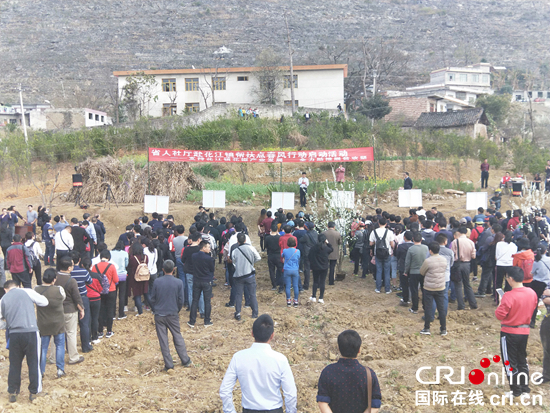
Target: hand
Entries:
(81, 314)
(405, 275)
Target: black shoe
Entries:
(238, 317)
(443, 332)
(425, 332)
(13, 398)
(208, 324)
(229, 305)
(478, 295)
(280, 291)
(413, 311)
(400, 295)
(188, 364)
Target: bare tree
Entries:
(270, 77)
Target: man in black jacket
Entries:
(81, 238)
(274, 263)
(408, 183)
(308, 241)
(167, 298)
(203, 277)
(401, 254)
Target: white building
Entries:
(319, 86)
(462, 83)
(44, 117)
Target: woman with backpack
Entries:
(153, 258)
(108, 293)
(120, 257)
(94, 295)
(318, 258)
(137, 288)
(524, 259)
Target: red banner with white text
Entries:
(327, 155)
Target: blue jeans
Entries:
(59, 341)
(393, 265)
(453, 292)
(190, 294)
(85, 324)
(383, 265)
(181, 276)
(291, 278)
(137, 301)
(50, 251)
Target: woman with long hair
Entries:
(261, 229)
(503, 255)
(137, 288)
(318, 258)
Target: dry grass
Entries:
(129, 184)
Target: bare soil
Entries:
(123, 373)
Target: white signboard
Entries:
(409, 198)
(283, 200)
(474, 200)
(156, 203)
(213, 199)
(343, 199)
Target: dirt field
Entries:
(123, 373)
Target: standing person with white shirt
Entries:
(261, 373)
(303, 182)
(64, 243)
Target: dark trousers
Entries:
(331, 271)
(319, 277)
(108, 302)
(50, 251)
(37, 270)
(473, 266)
(500, 275)
(204, 287)
(307, 273)
(464, 290)
(439, 297)
(23, 278)
(25, 345)
(545, 340)
(85, 324)
(95, 308)
(244, 284)
(416, 280)
(275, 266)
(303, 194)
(538, 287)
(513, 348)
(484, 178)
(122, 298)
(356, 257)
(487, 275)
(172, 323)
(404, 281)
(60, 254)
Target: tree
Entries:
(138, 93)
(375, 107)
(270, 77)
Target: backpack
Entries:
(35, 259)
(105, 283)
(527, 267)
(142, 272)
(381, 250)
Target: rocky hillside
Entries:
(65, 51)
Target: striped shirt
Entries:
(82, 278)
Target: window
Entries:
(97, 118)
(242, 78)
(13, 121)
(90, 116)
(461, 95)
(286, 81)
(475, 78)
(540, 95)
(191, 107)
(169, 85)
(530, 94)
(191, 84)
(451, 78)
(218, 83)
(102, 118)
(485, 79)
(169, 109)
(289, 103)
(432, 107)
(463, 77)
(518, 98)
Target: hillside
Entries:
(66, 51)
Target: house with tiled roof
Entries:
(470, 122)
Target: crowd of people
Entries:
(424, 258)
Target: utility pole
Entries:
(290, 52)
(23, 120)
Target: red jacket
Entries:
(516, 308)
(111, 273)
(17, 254)
(283, 241)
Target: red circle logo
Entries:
(476, 376)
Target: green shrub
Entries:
(207, 170)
